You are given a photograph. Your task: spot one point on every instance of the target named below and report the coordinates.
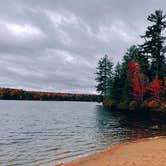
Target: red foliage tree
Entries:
(138, 82)
(133, 67)
(155, 87)
(138, 86)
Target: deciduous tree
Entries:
(138, 82)
(155, 87)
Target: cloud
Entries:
(24, 31)
(117, 29)
(54, 45)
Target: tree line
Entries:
(19, 94)
(139, 80)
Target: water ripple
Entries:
(45, 133)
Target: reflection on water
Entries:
(130, 126)
(46, 133)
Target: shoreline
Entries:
(148, 151)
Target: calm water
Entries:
(45, 133)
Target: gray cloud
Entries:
(54, 45)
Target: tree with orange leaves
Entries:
(138, 86)
(138, 82)
(133, 67)
(155, 87)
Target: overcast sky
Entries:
(54, 45)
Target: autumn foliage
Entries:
(138, 82)
(139, 87)
(133, 68)
(19, 94)
(155, 87)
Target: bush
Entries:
(153, 104)
(107, 102)
(163, 107)
(123, 106)
(133, 105)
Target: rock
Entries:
(155, 127)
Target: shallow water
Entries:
(48, 132)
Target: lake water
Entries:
(48, 132)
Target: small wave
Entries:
(51, 149)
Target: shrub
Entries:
(123, 106)
(153, 104)
(107, 102)
(163, 107)
(133, 105)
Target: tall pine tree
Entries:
(117, 84)
(153, 46)
(104, 76)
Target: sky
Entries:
(54, 45)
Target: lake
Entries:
(48, 132)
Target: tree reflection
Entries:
(114, 126)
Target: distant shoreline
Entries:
(20, 94)
(148, 151)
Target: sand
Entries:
(144, 152)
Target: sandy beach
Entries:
(143, 152)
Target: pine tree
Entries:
(104, 76)
(154, 43)
(117, 84)
(126, 88)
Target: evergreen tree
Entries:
(104, 76)
(154, 43)
(117, 84)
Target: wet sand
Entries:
(143, 152)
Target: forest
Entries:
(138, 82)
(19, 94)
